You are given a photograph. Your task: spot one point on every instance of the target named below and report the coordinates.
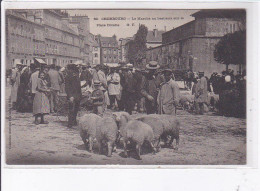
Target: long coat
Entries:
(55, 79)
(168, 97)
(113, 84)
(41, 103)
(15, 79)
(201, 92)
(72, 85)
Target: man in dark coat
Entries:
(130, 89)
(86, 76)
(73, 91)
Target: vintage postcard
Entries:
(125, 86)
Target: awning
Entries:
(78, 62)
(40, 60)
(111, 64)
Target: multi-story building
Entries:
(191, 46)
(82, 22)
(96, 51)
(50, 35)
(108, 50)
(24, 37)
(61, 39)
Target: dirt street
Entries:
(204, 140)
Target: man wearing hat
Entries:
(201, 94)
(150, 86)
(73, 91)
(169, 94)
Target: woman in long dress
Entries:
(41, 104)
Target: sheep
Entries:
(213, 99)
(186, 101)
(106, 130)
(171, 127)
(137, 132)
(87, 129)
(157, 126)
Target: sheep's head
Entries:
(121, 118)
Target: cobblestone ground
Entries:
(204, 140)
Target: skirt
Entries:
(41, 104)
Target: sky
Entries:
(129, 21)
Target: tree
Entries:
(231, 49)
(137, 47)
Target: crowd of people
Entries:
(36, 88)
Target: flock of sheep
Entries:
(109, 131)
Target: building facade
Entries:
(24, 37)
(108, 50)
(51, 35)
(123, 48)
(191, 46)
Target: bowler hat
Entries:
(153, 65)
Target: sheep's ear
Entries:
(126, 117)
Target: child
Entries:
(98, 98)
(41, 104)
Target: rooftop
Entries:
(154, 36)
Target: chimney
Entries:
(155, 32)
(165, 28)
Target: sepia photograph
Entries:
(125, 87)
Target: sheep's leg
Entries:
(90, 144)
(114, 147)
(109, 149)
(177, 142)
(157, 145)
(99, 147)
(138, 150)
(125, 151)
(85, 142)
(152, 145)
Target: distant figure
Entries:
(201, 94)
(15, 82)
(169, 95)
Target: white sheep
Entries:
(106, 133)
(186, 101)
(135, 131)
(157, 126)
(171, 127)
(87, 129)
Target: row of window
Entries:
(62, 37)
(110, 57)
(109, 51)
(62, 49)
(109, 44)
(25, 29)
